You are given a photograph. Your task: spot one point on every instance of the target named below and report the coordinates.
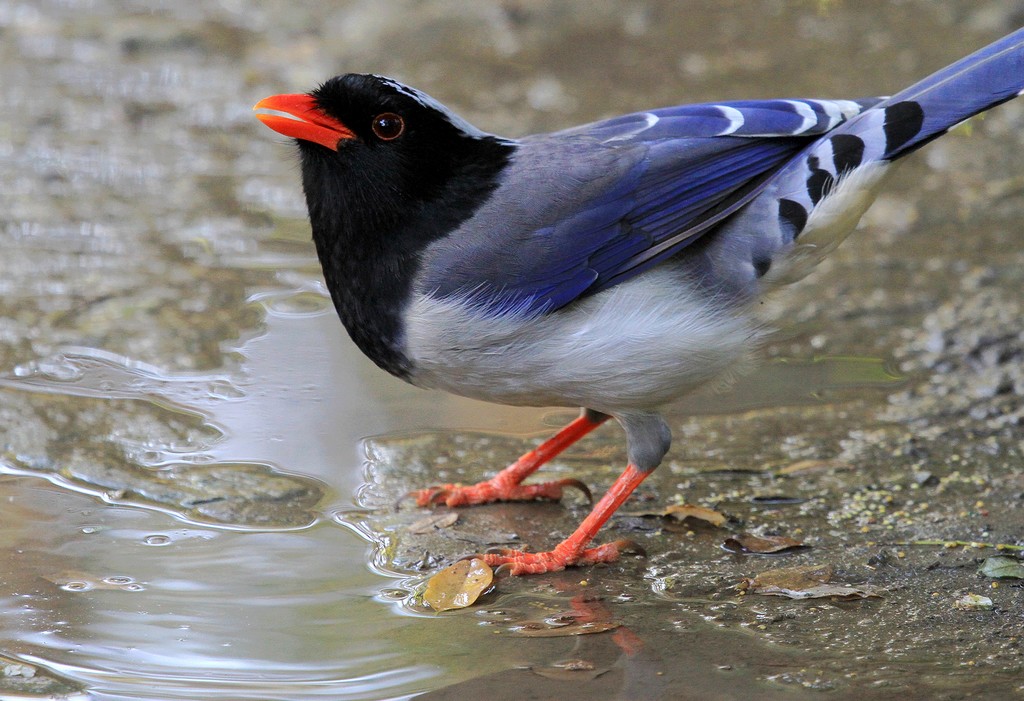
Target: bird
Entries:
(613, 266)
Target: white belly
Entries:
(637, 345)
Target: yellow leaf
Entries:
(459, 585)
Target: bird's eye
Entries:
(388, 126)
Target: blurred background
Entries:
(182, 415)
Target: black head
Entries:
(405, 145)
(386, 170)
(379, 148)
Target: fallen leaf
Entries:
(681, 512)
(459, 585)
(1002, 567)
(750, 543)
(973, 602)
(433, 522)
(794, 577)
(807, 582)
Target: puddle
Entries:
(190, 508)
(143, 437)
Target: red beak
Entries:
(306, 120)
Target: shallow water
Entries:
(198, 467)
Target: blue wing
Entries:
(584, 209)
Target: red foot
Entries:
(507, 484)
(573, 550)
(517, 562)
(494, 490)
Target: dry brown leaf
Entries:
(793, 577)
(807, 582)
(748, 542)
(681, 512)
(459, 585)
(433, 522)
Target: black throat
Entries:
(371, 221)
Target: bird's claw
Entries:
(517, 562)
(578, 485)
(439, 497)
(503, 570)
(491, 491)
(432, 496)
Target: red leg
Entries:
(573, 550)
(505, 486)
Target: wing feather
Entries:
(592, 206)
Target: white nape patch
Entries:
(637, 345)
(430, 103)
(734, 116)
(806, 112)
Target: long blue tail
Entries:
(979, 82)
(813, 202)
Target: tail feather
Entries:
(816, 200)
(986, 78)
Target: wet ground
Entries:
(189, 509)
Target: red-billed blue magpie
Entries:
(611, 266)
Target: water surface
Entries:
(198, 465)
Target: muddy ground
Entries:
(154, 237)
